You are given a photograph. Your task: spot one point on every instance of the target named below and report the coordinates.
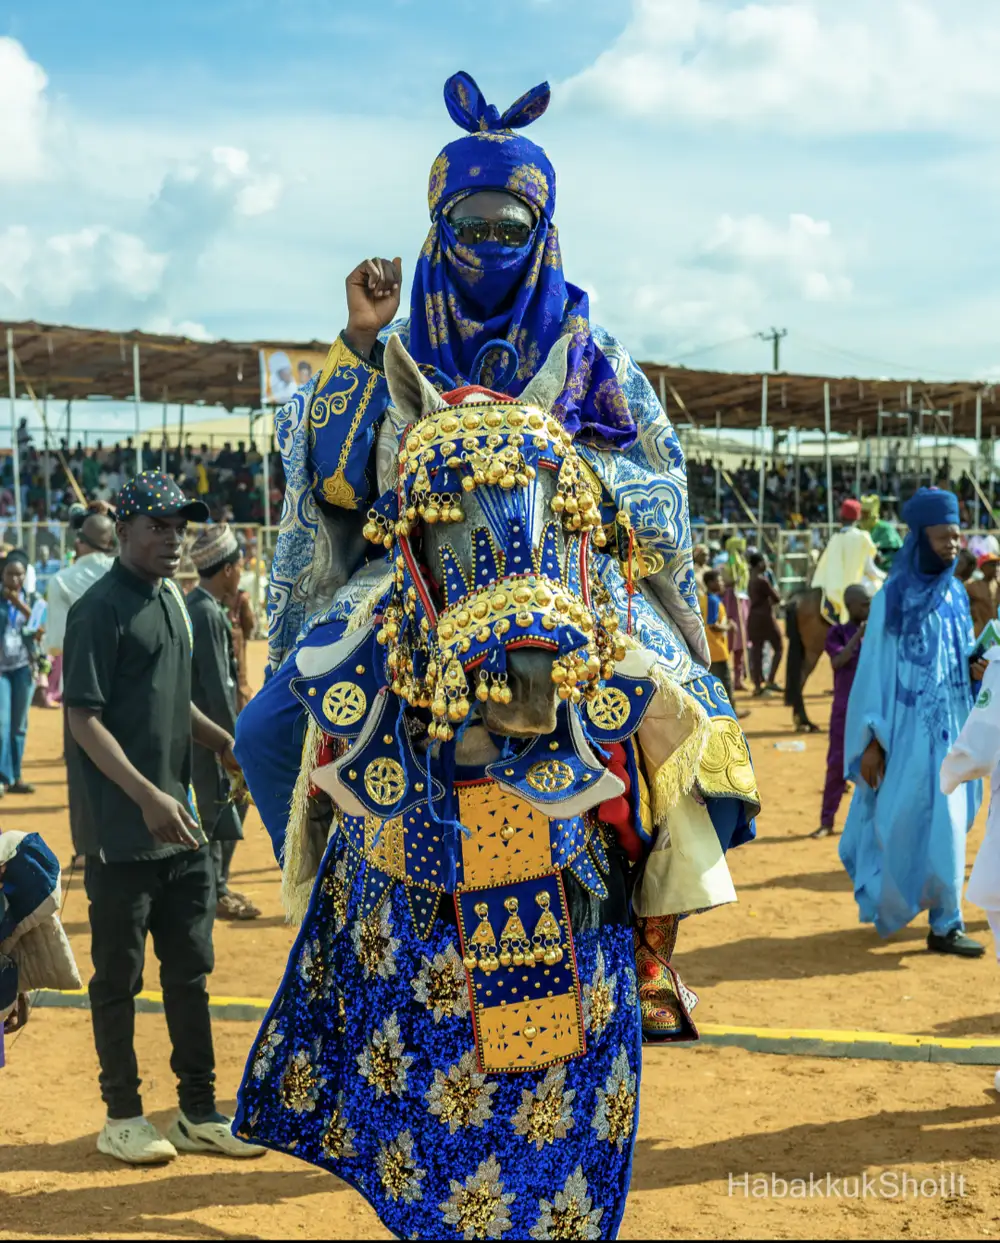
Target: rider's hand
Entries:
(373, 290)
(873, 765)
(977, 669)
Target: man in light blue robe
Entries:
(904, 841)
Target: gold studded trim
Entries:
(522, 601)
(449, 427)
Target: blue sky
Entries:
(829, 166)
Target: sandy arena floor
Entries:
(789, 955)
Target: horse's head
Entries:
(493, 516)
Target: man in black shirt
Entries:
(219, 561)
(127, 668)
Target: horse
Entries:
(806, 629)
(467, 962)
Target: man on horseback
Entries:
(848, 558)
(413, 431)
(882, 529)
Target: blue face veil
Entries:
(466, 298)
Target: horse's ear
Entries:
(550, 381)
(412, 394)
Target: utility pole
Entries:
(775, 337)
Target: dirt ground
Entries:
(790, 954)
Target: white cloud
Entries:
(57, 271)
(182, 328)
(22, 113)
(140, 275)
(801, 254)
(810, 66)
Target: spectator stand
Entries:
(783, 496)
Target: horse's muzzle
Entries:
(534, 697)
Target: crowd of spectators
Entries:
(227, 479)
(786, 508)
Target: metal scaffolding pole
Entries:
(979, 452)
(267, 467)
(798, 471)
(829, 462)
(857, 461)
(137, 397)
(48, 456)
(15, 448)
(762, 476)
(718, 473)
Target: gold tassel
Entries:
(677, 775)
(295, 889)
(363, 613)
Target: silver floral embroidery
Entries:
(480, 1208)
(337, 1142)
(462, 1097)
(441, 986)
(374, 943)
(336, 887)
(316, 971)
(384, 1063)
(599, 998)
(546, 1114)
(615, 1114)
(398, 1171)
(571, 1214)
(631, 988)
(301, 1082)
(267, 1048)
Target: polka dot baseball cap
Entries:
(154, 494)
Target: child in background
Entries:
(713, 613)
(976, 754)
(843, 646)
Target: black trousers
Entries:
(222, 861)
(173, 899)
(764, 632)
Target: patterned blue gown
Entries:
(904, 844)
(383, 1089)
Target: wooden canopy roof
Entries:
(77, 363)
(85, 362)
(797, 401)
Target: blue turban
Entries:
(931, 507)
(919, 577)
(468, 304)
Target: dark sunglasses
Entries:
(473, 231)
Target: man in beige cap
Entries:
(214, 676)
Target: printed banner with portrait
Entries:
(284, 371)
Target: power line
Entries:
(719, 345)
(903, 369)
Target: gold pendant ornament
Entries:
(547, 941)
(514, 943)
(484, 941)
